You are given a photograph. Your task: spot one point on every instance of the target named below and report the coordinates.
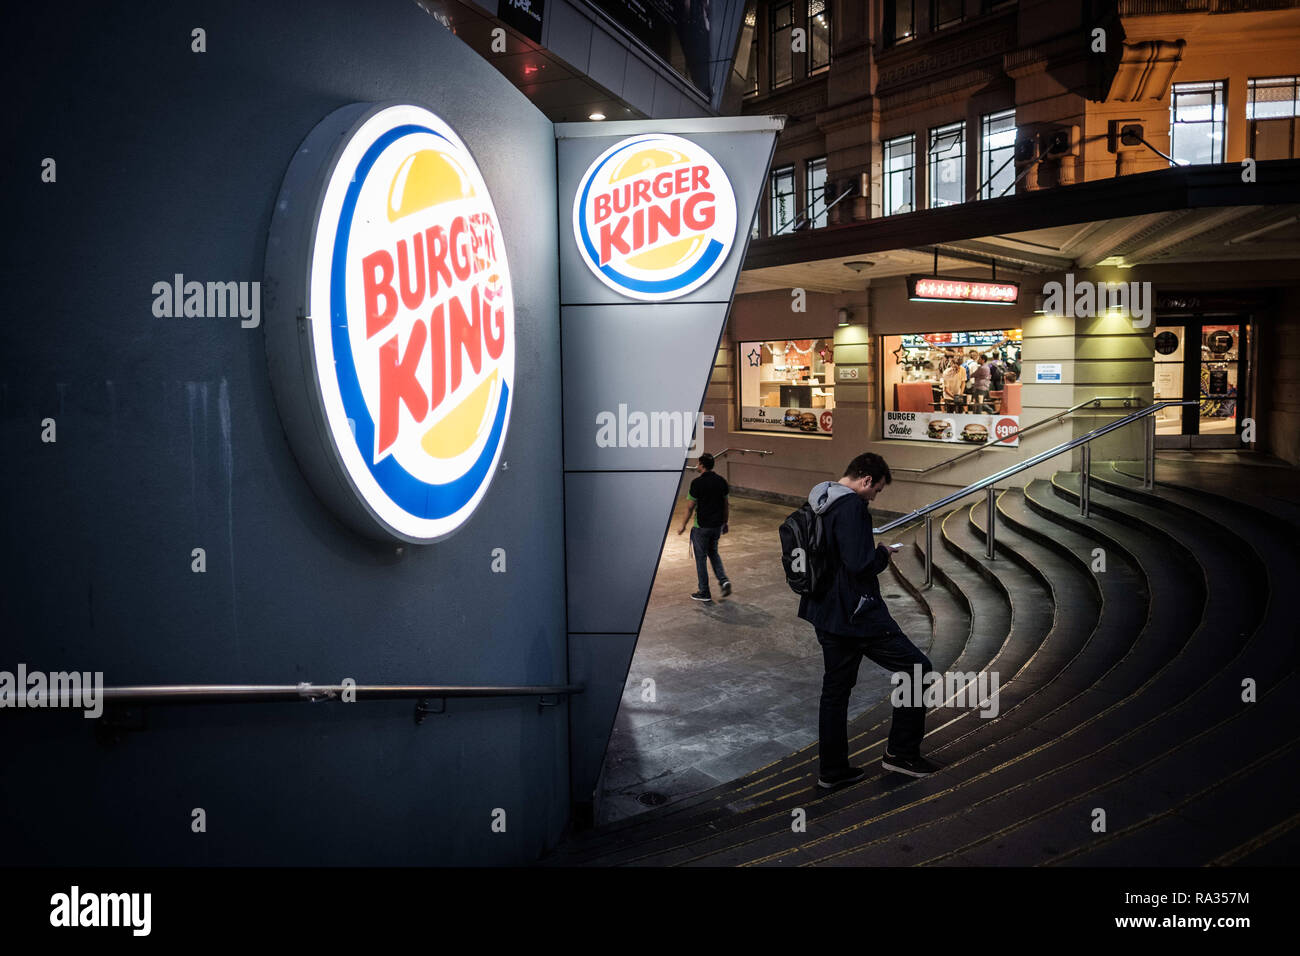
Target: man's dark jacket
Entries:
(855, 559)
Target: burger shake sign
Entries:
(393, 355)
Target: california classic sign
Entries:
(654, 217)
(409, 316)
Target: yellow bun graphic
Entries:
(643, 159)
(460, 427)
(426, 178)
(667, 256)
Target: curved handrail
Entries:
(1031, 462)
(1095, 402)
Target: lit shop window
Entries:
(937, 389)
(997, 149)
(899, 175)
(819, 35)
(947, 165)
(781, 194)
(1272, 106)
(782, 55)
(814, 179)
(787, 386)
(1196, 123)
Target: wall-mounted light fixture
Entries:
(845, 316)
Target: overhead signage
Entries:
(950, 289)
(526, 16)
(654, 217)
(406, 359)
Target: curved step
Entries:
(765, 792)
(1190, 697)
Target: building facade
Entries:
(1118, 180)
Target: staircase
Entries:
(1121, 642)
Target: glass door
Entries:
(1170, 346)
(1221, 348)
(1201, 357)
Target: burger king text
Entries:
(634, 205)
(458, 326)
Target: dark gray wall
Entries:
(169, 162)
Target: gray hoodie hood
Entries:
(825, 494)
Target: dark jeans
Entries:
(891, 650)
(704, 541)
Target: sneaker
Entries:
(726, 588)
(916, 766)
(702, 596)
(841, 778)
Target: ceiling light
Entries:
(596, 116)
(857, 265)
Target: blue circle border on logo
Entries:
(649, 286)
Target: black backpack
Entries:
(804, 553)
(996, 377)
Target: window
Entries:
(1196, 122)
(932, 389)
(819, 35)
(997, 148)
(753, 232)
(787, 386)
(782, 200)
(782, 57)
(944, 13)
(814, 192)
(899, 21)
(947, 165)
(1272, 106)
(898, 180)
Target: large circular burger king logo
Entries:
(654, 217)
(411, 331)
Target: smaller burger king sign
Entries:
(410, 322)
(654, 217)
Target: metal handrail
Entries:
(1095, 402)
(743, 451)
(986, 484)
(233, 693)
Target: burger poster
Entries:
(958, 429)
(806, 421)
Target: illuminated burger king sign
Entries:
(396, 387)
(654, 217)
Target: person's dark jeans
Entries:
(891, 650)
(704, 542)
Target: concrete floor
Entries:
(736, 682)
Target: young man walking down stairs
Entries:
(852, 622)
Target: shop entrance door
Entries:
(1205, 358)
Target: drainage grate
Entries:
(652, 799)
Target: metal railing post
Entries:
(1149, 454)
(1086, 477)
(929, 545)
(992, 520)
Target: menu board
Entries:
(796, 421)
(952, 427)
